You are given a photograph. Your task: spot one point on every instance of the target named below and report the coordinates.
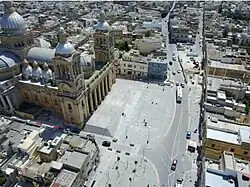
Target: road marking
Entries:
(157, 175)
(166, 152)
(178, 129)
(171, 123)
(166, 165)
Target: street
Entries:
(174, 144)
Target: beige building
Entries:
(148, 45)
(226, 136)
(133, 64)
(57, 79)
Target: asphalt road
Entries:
(173, 144)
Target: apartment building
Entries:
(227, 172)
(222, 136)
(133, 65)
(42, 156)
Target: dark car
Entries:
(170, 63)
(106, 143)
(174, 164)
(188, 135)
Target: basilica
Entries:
(63, 79)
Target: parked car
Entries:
(173, 72)
(106, 143)
(174, 164)
(178, 71)
(182, 85)
(179, 183)
(188, 135)
(170, 63)
(177, 84)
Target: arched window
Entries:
(69, 107)
(82, 104)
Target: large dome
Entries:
(12, 22)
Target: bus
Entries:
(178, 94)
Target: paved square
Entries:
(138, 101)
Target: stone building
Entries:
(52, 78)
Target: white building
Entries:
(134, 65)
(147, 45)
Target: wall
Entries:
(214, 151)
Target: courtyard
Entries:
(134, 112)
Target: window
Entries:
(124, 65)
(130, 66)
(82, 104)
(46, 100)
(245, 152)
(134, 66)
(213, 145)
(26, 95)
(69, 107)
(232, 150)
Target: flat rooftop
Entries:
(214, 179)
(222, 136)
(138, 101)
(218, 64)
(229, 126)
(214, 83)
(64, 178)
(73, 159)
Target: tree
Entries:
(122, 46)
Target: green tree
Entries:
(122, 46)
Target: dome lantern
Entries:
(102, 25)
(64, 48)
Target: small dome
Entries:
(36, 72)
(64, 48)
(27, 71)
(35, 64)
(12, 22)
(47, 74)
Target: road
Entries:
(173, 144)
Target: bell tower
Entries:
(69, 75)
(104, 42)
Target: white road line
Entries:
(178, 129)
(173, 115)
(165, 163)
(157, 175)
(166, 152)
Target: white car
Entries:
(178, 71)
(182, 85)
(177, 83)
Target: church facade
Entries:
(62, 79)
